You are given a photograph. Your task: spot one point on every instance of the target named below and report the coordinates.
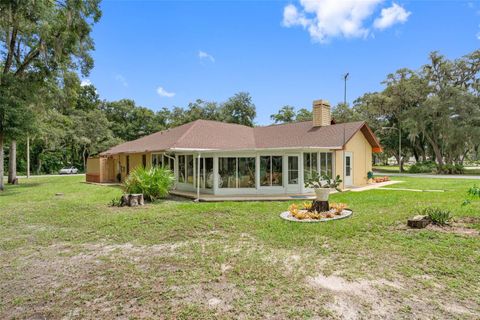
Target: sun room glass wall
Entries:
(206, 173)
(270, 171)
(236, 172)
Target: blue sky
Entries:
(168, 53)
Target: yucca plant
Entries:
(154, 183)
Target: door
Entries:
(293, 174)
(348, 169)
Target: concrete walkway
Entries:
(434, 176)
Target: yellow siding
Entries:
(135, 160)
(362, 159)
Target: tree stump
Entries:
(132, 200)
(418, 222)
(320, 206)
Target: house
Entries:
(211, 157)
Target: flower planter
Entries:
(322, 194)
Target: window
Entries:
(206, 172)
(169, 160)
(189, 174)
(326, 163)
(246, 172)
(157, 160)
(236, 172)
(309, 164)
(144, 160)
(181, 169)
(271, 171)
(293, 170)
(348, 166)
(128, 165)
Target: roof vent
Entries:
(321, 113)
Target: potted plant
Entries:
(370, 177)
(323, 185)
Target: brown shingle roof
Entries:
(214, 135)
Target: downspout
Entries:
(198, 178)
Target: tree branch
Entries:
(28, 59)
(11, 49)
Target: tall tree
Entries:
(285, 115)
(304, 115)
(41, 37)
(239, 109)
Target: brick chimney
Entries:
(321, 113)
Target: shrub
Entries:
(452, 169)
(154, 183)
(474, 191)
(438, 216)
(423, 167)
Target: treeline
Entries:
(436, 110)
(73, 128)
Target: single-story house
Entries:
(218, 158)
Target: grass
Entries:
(74, 256)
(395, 169)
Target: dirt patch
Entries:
(378, 299)
(454, 228)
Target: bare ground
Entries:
(180, 280)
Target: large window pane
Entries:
(277, 170)
(189, 169)
(292, 170)
(181, 169)
(246, 172)
(206, 173)
(227, 168)
(265, 171)
(323, 163)
(326, 163)
(329, 165)
(309, 164)
(157, 160)
(209, 173)
(271, 171)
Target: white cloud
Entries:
(203, 55)
(122, 80)
(390, 16)
(327, 19)
(85, 82)
(164, 93)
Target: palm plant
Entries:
(154, 183)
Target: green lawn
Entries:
(74, 257)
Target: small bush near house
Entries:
(438, 216)
(423, 167)
(154, 183)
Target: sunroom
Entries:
(248, 172)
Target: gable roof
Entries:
(203, 135)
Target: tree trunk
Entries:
(319, 206)
(1, 161)
(12, 162)
(436, 150)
